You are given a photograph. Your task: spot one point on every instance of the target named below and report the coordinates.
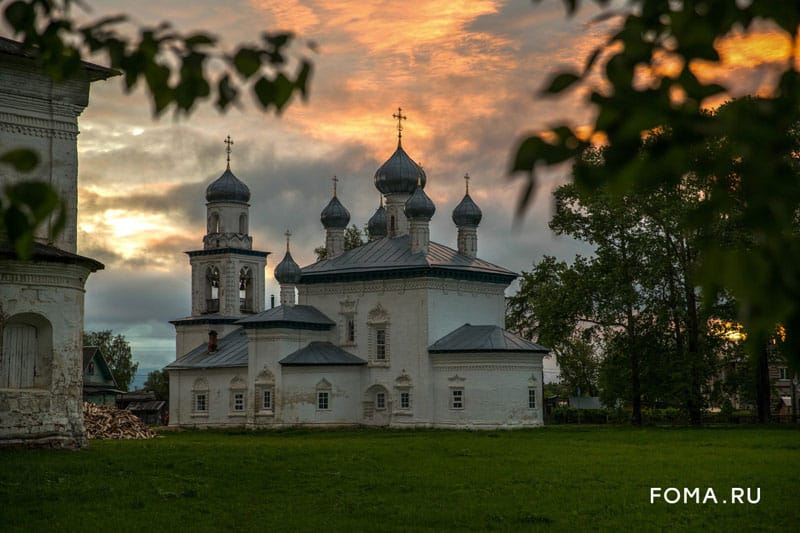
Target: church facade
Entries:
(401, 331)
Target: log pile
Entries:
(108, 422)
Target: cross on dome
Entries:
(400, 118)
(466, 180)
(229, 142)
(335, 180)
(288, 236)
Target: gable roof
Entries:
(93, 354)
(51, 254)
(231, 352)
(391, 257)
(472, 339)
(319, 353)
(291, 317)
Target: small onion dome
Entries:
(467, 213)
(399, 174)
(228, 188)
(419, 206)
(377, 224)
(287, 271)
(335, 215)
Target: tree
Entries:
(641, 97)
(353, 238)
(158, 382)
(173, 68)
(117, 351)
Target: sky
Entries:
(467, 74)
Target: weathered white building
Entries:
(401, 331)
(41, 300)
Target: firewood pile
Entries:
(108, 422)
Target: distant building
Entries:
(401, 331)
(41, 300)
(99, 384)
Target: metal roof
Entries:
(231, 352)
(289, 316)
(51, 254)
(393, 255)
(16, 48)
(399, 174)
(319, 353)
(470, 338)
(213, 318)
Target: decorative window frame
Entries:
(402, 385)
(323, 395)
(533, 392)
(380, 401)
(265, 383)
(783, 373)
(348, 322)
(457, 397)
(200, 390)
(238, 390)
(378, 320)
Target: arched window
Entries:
(214, 223)
(243, 224)
(246, 304)
(212, 289)
(27, 352)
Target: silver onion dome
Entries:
(419, 206)
(228, 188)
(377, 223)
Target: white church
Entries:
(401, 331)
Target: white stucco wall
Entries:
(495, 389)
(51, 413)
(220, 413)
(299, 395)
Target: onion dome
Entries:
(376, 227)
(467, 213)
(419, 206)
(399, 174)
(287, 271)
(334, 215)
(228, 188)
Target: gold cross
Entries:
(229, 142)
(335, 180)
(400, 118)
(466, 179)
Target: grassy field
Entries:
(564, 478)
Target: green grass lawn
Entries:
(564, 478)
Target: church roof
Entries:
(16, 48)
(470, 338)
(51, 254)
(392, 257)
(291, 317)
(319, 353)
(231, 352)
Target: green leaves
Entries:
(173, 65)
(24, 207)
(562, 82)
(23, 160)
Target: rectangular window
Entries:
(380, 400)
(783, 373)
(531, 398)
(266, 400)
(405, 400)
(351, 330)
(238, 401)
(200, 402)
(380, 344)
(457, 399)
(322, 400)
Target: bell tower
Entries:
(227, 274)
